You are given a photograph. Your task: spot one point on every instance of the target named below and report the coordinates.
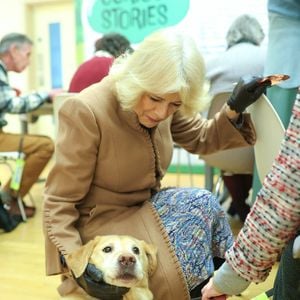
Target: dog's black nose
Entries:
(127, 260)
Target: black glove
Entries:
(246, 92)
(92, 282)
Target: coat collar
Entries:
(131, 118)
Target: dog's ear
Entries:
(151, 252)
(78, 260)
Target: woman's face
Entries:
(152, 109)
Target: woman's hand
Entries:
(209, 292)
(92, 282)
(246, 92)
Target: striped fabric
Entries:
(262, 239)
(11, 103)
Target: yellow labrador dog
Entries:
(123, 260)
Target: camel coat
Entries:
(108, 166)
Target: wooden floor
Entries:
(22, 255)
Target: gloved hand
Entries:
(246, 92)
(92, 282)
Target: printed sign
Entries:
(135, 18)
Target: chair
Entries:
(7, 158)
(269, 131)
(234, 161)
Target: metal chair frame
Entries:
(179, 163)
(6, 158)
(220, 160)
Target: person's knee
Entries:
(49, 147)
(46, 148)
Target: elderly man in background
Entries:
(15, 51)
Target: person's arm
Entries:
(230, 128)
(272, 222)
(245, 93)
(231, 114)
(11, 103)
(225, 282)
(71, 176)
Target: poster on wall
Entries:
(205, 22)
(135, 19)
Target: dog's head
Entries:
(123, 260)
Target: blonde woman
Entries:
(114, 146)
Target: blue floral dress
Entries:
(197, 227)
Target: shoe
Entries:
(241, 210)
(231, 211)
(15, 210)
(7, 222)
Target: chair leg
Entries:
(178, 167)
(218, 186)
(223, 197)
(209, 177)
(221, 190)
(190, 169)
(21, 207)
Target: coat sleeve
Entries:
(209, 136)
(70, 178)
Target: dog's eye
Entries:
(107, 249)
(136, 250)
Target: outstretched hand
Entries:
(53, 93)
(246, 92)
(209, 292)
(92, 282)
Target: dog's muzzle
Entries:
(126, 265)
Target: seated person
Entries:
(15, 50)
(107, 48)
